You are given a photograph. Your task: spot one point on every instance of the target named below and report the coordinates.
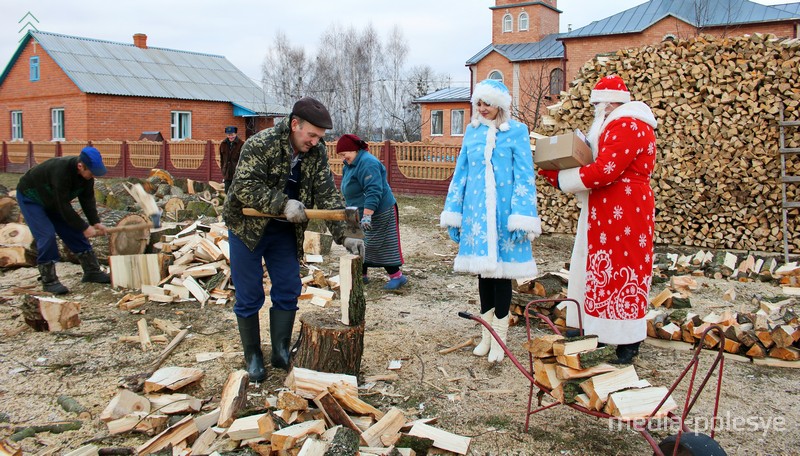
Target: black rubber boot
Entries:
(626, 353)
(250, 332)
(49, 279)
(280, 334)
(91, 268)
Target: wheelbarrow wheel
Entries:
(691, 444)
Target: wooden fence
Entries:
(412, 168)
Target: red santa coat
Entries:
(612, 260)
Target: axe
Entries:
(349, 215)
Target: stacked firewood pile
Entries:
(717, 102)
(575, 370)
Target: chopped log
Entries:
(785, 353)
(669, 331)
(758, 350)
(568, 373)
(566, 391)
(317, 243)
(172, 378)
(245, 428)
(351, 291)
(388, 425)
(133, 271)
(419, 445)
(548, 285)
(129, 242)
(327, 345)
(86, 450)
(144, 335)
(442, 439)
(12, 256)
(600, 386)
(9, 209)
(168, 327)
(71, 405)
(173, 404)
(16, 234)
(640, 403)
(544, 372)
(349, 400)
(333, 412)
(124, 403)
(309, 383)
(662, 299)
(542, 347)
(784, 336)
(287, 438)
(234, 397)
(287, 400)
(587, 359)
(173, 435)
(204, 442)
(43, 313)
(342, 441)
(196, 290)
(314, 447)
(144, 422)
(573, 345)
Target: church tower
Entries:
(517, 21)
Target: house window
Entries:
(556, 81)
(457, 122)
(181, 126)
(16, 125)
(437, 118)
(57, 115)
(523, 21)
(507, 23)
(34, 68)
(496, 75)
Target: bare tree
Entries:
(285, 71)
(534, 93)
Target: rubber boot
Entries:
(281, 323)
(486, 337)
(91, 268)
(250, 332)
(49, 279)
(500, 326)
(626, 353)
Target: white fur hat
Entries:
(492, 92)
(610, 89)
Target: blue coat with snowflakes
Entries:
(489, 203)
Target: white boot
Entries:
(500, 326)
(486, 337)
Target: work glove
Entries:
(519, 236)
(551, 175)
(295, 211)
(354, 246)
(366, 222)
(455, 233)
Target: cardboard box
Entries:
(563, 151)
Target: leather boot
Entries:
(626, 353)
(486, 337)
(250, 332)
(281, 323)
(91, 268)
(49, 279)
(500, 326)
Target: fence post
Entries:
(209, 159)
(58, 149)
(165, 157)
(30, 154)
(124, 155)
(389, 158)
(5, 155)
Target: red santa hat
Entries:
(610, 89)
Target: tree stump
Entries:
(44, 313)
(121, 243)
(327, 345)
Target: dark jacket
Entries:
(54, 184)
(364, 184)
(260, 180)
(229, 156)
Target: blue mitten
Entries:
(518, 236)
(455, 233)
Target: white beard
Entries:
(597, 124)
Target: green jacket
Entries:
(261, 175)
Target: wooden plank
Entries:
(442, 439)
(133, 271)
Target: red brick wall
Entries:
(97, 117)
(446, 138)
(494, 61)
(542, 21)
(581, 50)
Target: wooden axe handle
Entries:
(315, 214)
(132, 227)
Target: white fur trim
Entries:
(610, 96)
(524, 222)
(448, 218)
(634, 109)
(569, 180)
(482, 266)
(615, 332)
(576, 286)
(491, 194)
(491, 95)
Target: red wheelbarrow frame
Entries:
(691, 395)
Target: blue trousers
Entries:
(45, 225)
(278, 249)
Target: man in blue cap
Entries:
(229, 150)
(45, 195)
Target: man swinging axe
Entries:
(45, 195)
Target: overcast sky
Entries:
(440, 33)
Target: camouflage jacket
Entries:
(264, 167)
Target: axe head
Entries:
(352, 223)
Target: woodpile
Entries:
(717, 101)
(575, 371)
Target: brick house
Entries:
(446, 112)
(65, 88)
(536, 62)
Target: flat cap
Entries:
(313, 111)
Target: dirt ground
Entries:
(759, 407)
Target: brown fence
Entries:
(412, 168)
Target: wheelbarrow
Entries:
(684, 442)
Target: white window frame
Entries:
(456, 126)
(57, 122)
(180, 125)
(523, 22)
(508, 23)
(16, 126)
(497, 75)
(434, 114)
